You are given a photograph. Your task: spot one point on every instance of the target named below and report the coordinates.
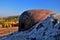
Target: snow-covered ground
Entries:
(48, 29)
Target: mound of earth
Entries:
(30, 17)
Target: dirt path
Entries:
(6, 31)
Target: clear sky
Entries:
(16, 7)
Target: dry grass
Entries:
(58, 16)
(6, 31)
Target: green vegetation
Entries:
(8, 19)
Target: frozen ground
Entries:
(45, 30)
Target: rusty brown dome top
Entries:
(40, 14)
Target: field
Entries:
(8, 25)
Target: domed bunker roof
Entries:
(30, 17)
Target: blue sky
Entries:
(16, 7)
